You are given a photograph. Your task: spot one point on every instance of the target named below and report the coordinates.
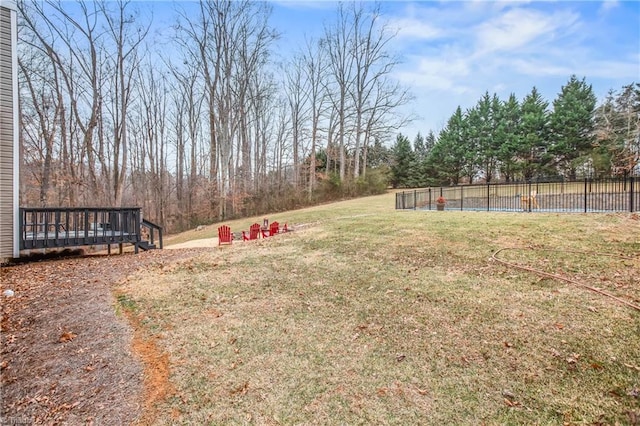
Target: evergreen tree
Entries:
(478, 132)
(509, 137)
(572, 137)
(419, 147)
(403, 167)
(532, 143)
(447, 158)
(489, 144)
(429, 168)
(379, 155)
(421, 152)
(430, 141)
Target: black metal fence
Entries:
(588, 195)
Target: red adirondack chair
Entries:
(224, 235)
(274, 228)
(254, 231)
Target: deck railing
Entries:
(587, 195)
(42, 228)
(152, 228)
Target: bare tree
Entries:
(294, 87)
(227, 41)
(72, 45)
(126, 37)
(372, 63)
(337, 43)
(315, 70)
(41, 115)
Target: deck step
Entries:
(146, 245)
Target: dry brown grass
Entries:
(367, 315)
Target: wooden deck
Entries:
(48, 228)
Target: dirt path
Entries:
(202, 243)
(67, 352)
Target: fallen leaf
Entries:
(421, 391)
(67, 336)
(510, 403)
(241, 390)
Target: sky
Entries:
(451, 52)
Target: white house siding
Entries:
(8, 133)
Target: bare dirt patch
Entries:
(68, 354)
(201, 243)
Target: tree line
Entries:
(509, 140)
(204, 122)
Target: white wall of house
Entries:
(9, 125)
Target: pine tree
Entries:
(509, 136)
(419, 147)
(449, 155)
(403, 167)
(420, 150)
(572, 137)
(430, 141)
(533, 141)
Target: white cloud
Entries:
(431, 82)
(436, 73)
(608, 5)
(535, 67)
(521, 29)
(414, 28)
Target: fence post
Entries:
(631, 195)
(461, 198)
(415, 199)
(488, 196)
(529, 197)
(585, 195)
(429, 198)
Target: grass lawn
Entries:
(367, 315)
